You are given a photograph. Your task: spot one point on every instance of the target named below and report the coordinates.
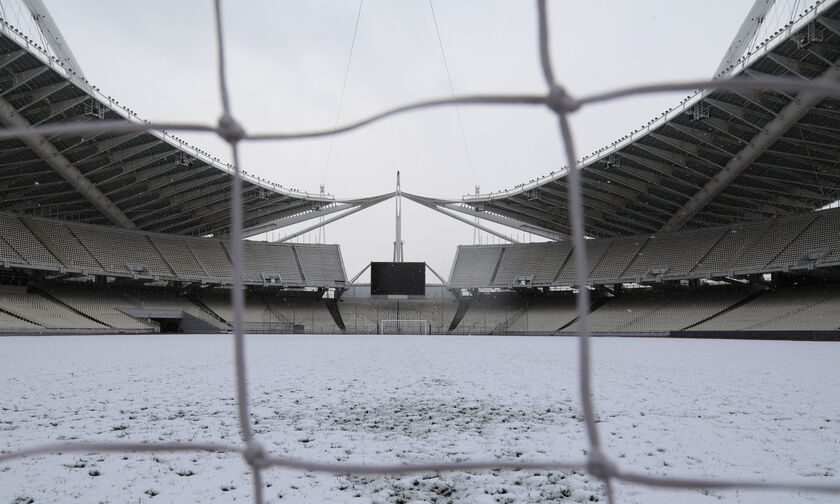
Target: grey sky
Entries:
(287, 63)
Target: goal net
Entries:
(403, 327)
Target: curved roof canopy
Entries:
(145, 180)
(719, 158)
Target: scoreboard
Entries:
(398, 278)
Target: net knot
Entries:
(600, 466)
(229, 129)
(560, 101)
(254, 455)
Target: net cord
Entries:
(597, 463)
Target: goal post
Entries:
(394, 326)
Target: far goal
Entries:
(403, 327)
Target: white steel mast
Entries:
(744, 37)
(398, 243)
(53, 37)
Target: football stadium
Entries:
(710, 220)
(133, 254)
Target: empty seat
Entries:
(820, 238)
(776, 237)
(595, 250)
(76, 255)
(546, 314)
(45, 312)
(179, 256)
(212, 257)
(321, 264)
(674, 254)
(18, 236)
(619, 255)
(122, 252)
(474, 265)
(102, 305)
(539, 262)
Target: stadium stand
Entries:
(104, 306)
(8, 254)
(620, 312)
(782, 244)
(57, 236)
(36, 243)
(685, 308)
(474, 266)
(258, 264)
(665, 256)
(47, 313)
(321, 265)
(533, 263)
(770, 311)
(733, 243)
(24, 243)
(162, 300)
(287, 265)
(817, 243)
(275, 313)
(618, 256)
(122, 252)
(179, 256)
(307, 312)
(662, 311)
(492, 313)
(213, 258)
(595, 250)
(12, 324)
(219, 303)
(777, 236)
(50, 252)
(823, 314)
(546, 314)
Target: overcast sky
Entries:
(287, 62)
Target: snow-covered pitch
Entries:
(711, 408)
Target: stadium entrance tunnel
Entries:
(173, 321)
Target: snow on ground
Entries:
(743, 409)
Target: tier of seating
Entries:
(783, 244)
(783, 310)
(492, 313)
(44, 313)
(44, 244)
(275, 313)
(76, 307)
(84, 307)
(546, 314)
(104, 306)
(650, 311)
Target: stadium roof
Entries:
(145, 180)
(718, 158)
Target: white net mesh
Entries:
(597, 463)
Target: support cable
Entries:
(341, 95)
(452, 94)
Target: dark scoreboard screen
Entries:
(401, 278)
